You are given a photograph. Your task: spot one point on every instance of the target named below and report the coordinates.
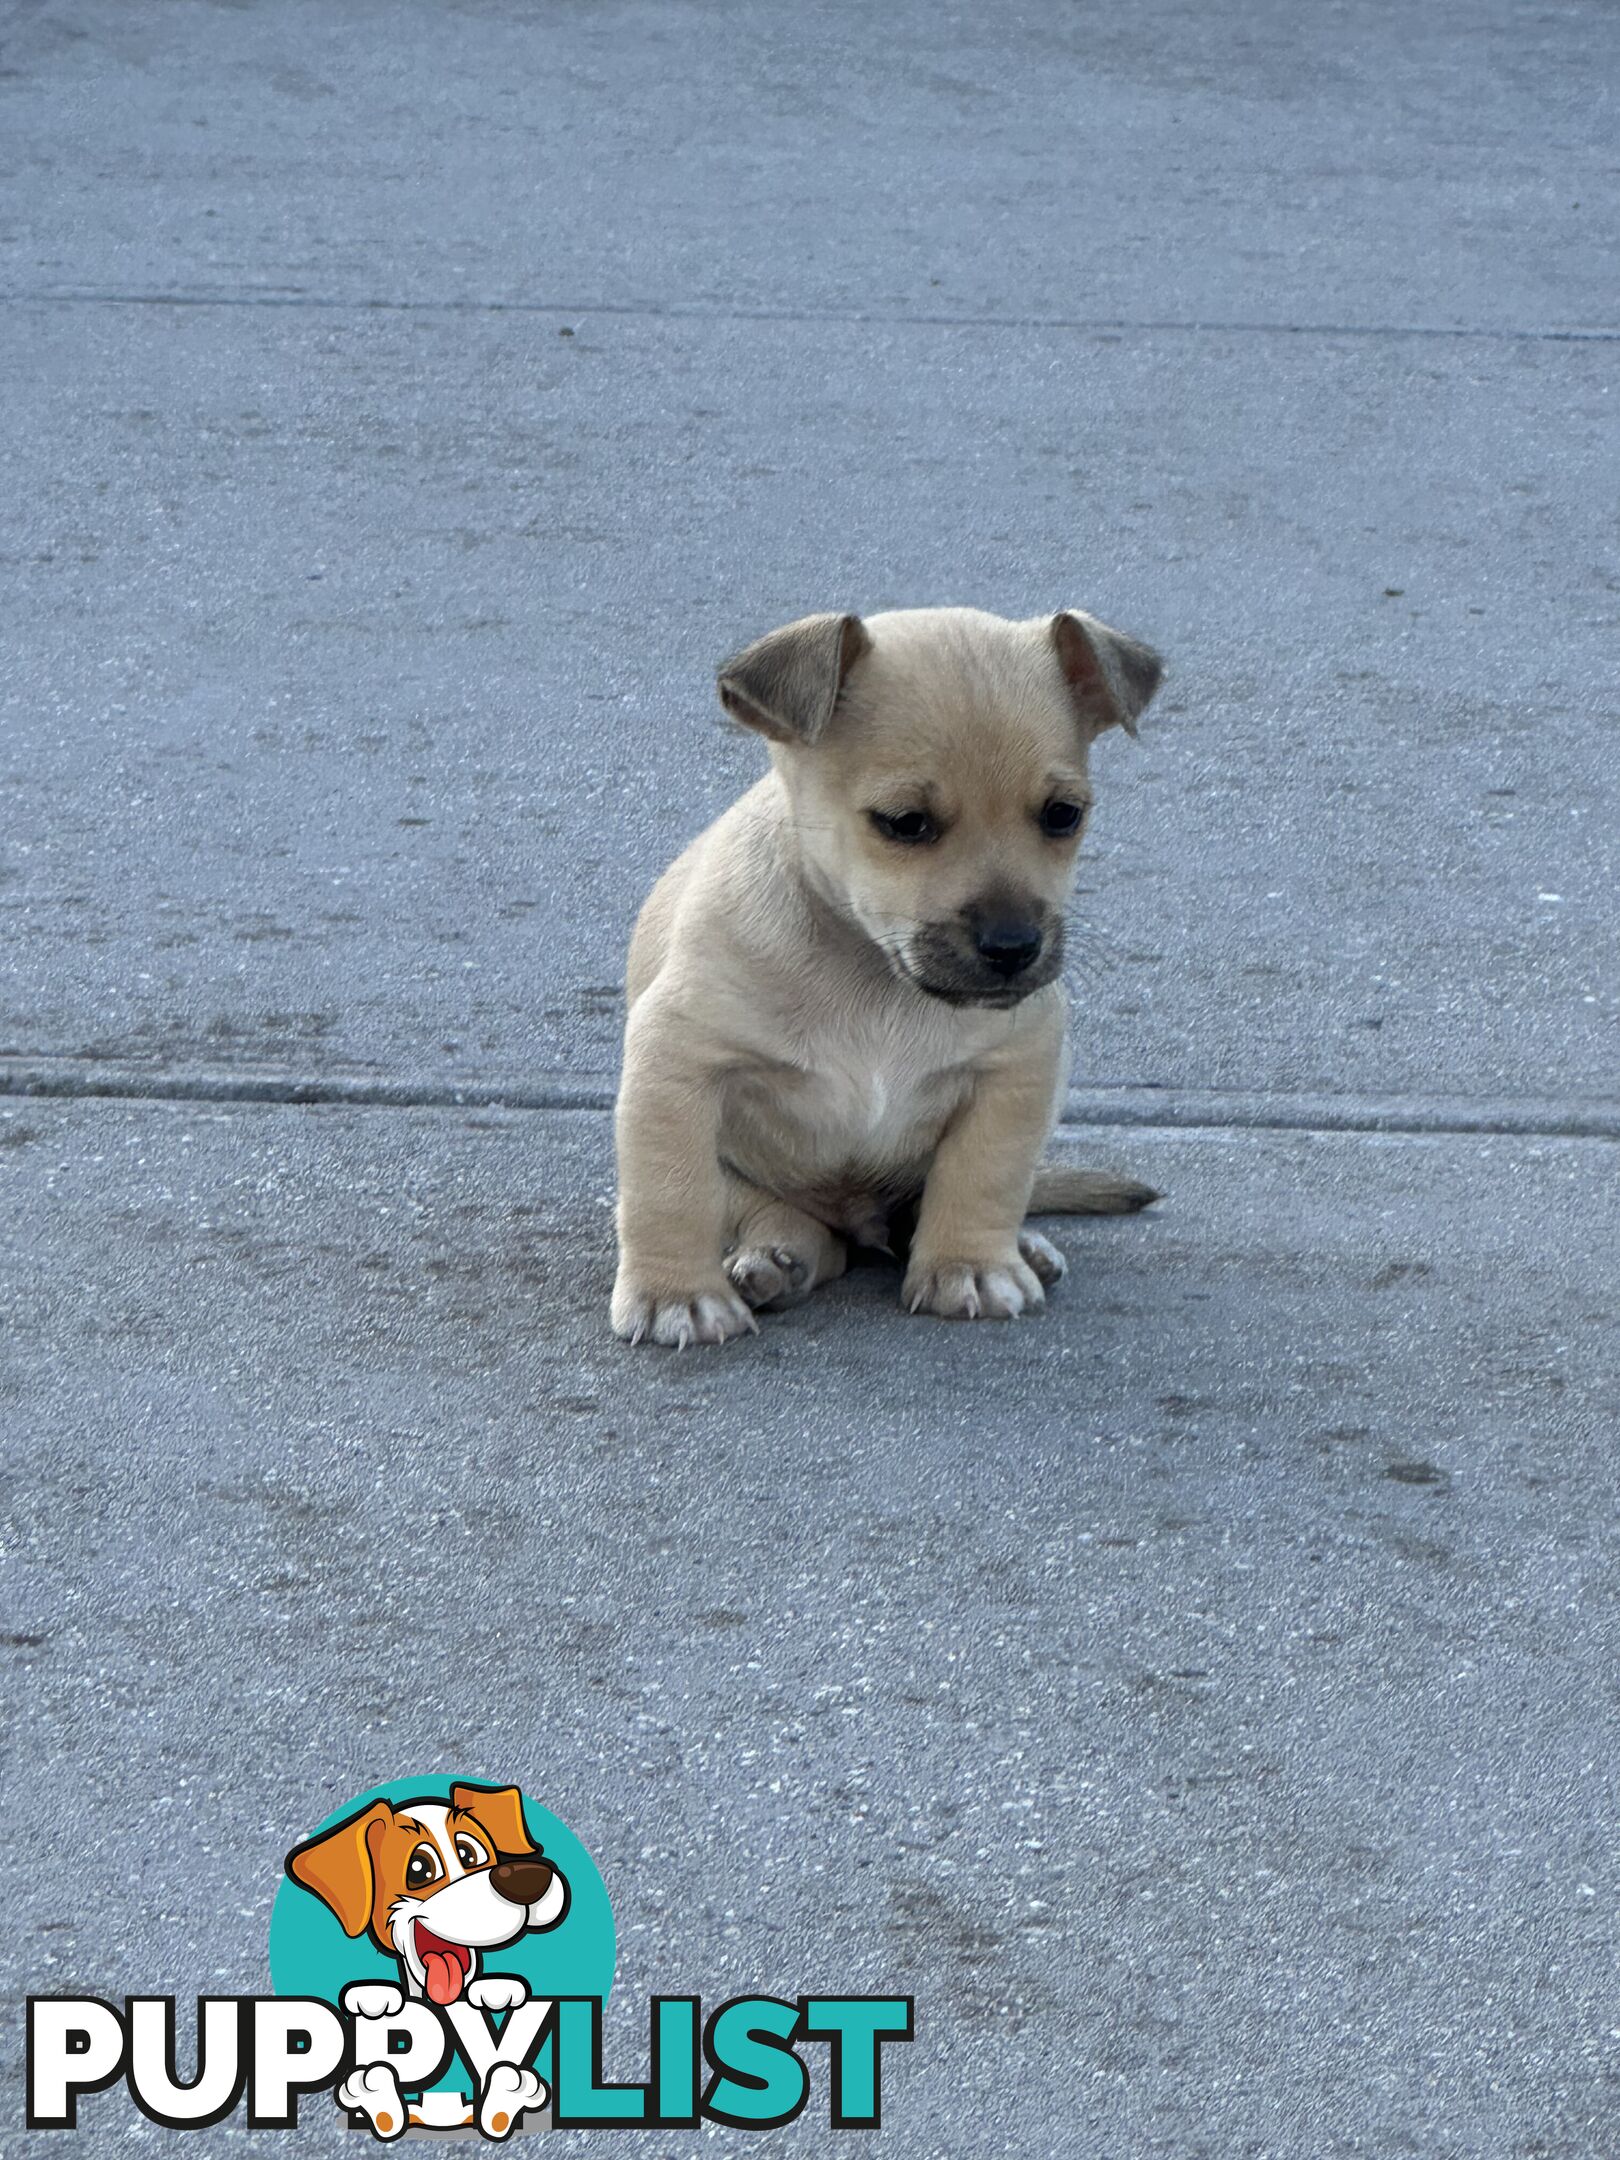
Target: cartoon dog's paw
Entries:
(497, 1991)
(372, 1999)
(991, 1289)
(508, 2092)
(374, 2093)
(1043, 1256)
(679, 1318)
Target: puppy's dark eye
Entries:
(1062, 820)
(422, 1867)
(470, 1853)
(912, 828)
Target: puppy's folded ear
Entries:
(500, 1810)
(786, 683)
(337, 1866)
(1111, 677)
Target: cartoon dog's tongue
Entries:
(445, 1965)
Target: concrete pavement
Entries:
(1201, 1698)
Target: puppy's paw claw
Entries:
(683, 1318)
(767, 1275)
(1043, 1257)
(998, 1289)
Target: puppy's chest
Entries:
(862, 1108)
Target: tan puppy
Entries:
(844, 996)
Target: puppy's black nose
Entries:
(521, 1882)
(1008, 947)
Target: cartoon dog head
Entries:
(433, 1882)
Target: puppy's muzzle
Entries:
(1009, 947)
(987, 955)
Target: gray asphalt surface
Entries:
(1200, 1698)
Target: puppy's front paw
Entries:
(998, 1288)
(679, 1318)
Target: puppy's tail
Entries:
(1062, 1191)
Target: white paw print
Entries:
(507, 2092)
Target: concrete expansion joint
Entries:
(1126, 1104)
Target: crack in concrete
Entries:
(676, 311)
(1127, 1104)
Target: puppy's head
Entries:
(936, 766)
(435, 1883)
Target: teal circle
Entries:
(311, 1955)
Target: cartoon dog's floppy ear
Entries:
(1111, 677)
(500, 1810)
(786, 683)
(337, 1867)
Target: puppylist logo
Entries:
(441, 1951)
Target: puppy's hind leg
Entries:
(1042, 1256)
(778, 1254)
